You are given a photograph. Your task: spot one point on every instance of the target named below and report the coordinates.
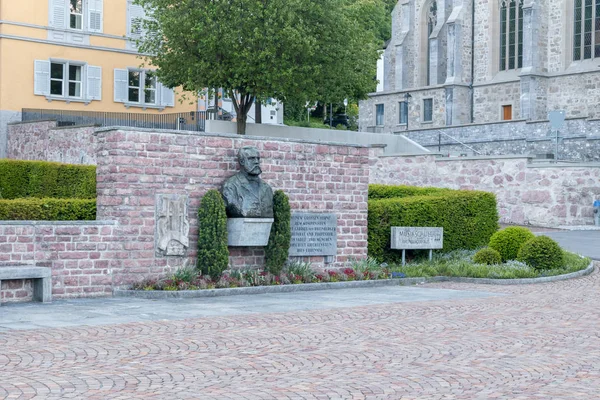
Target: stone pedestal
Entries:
(248, 231)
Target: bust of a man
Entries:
(246, 195)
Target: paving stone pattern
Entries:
(535, 342)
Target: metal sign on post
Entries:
(403, 238)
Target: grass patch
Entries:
(460, 263)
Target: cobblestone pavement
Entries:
(537, 342)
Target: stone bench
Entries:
(40, 276)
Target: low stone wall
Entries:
(527, 193)
(80, 254)
(43, 140)
(579, 139)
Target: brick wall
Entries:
(42, 140)
(135, 166)
(79, 253)
(541, 195)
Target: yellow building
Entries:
(75, 55)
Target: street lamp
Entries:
(407, 97)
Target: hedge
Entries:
(469, 219)
(391, 191)
(42, 179)
(48, 209)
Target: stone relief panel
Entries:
(172, 225)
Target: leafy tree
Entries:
(256, 49)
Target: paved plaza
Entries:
(434, 341)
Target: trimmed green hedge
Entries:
(42, 179)
(391, 191)
(48, 209)
(469, 218)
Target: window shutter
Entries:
(95, 17)
(135, 17)
(120, 92)
(167, 96)
(94, 83)
(41, 80)
(58, 14)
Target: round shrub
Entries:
(508, 241)
(278, 248)
(541, 252)
(487, 256)
(213, 254)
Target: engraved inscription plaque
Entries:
(172, 225)
(417, 238)
(313, 234)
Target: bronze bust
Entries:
(245, 194)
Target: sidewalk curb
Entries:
(189, 294)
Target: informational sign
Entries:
(417, 238)
(313, 234)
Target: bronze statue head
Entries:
(249, 159)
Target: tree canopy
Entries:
(257, 49)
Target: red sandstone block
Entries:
(75, 255)
(6, 248)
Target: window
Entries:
(431, 22)
(80, 15)
(403, 112)
(511, 34)
(507, 113)
(379, 115)
(67, 80)
(586, 39)
(76, 14)
(140, 88)
(427, 110)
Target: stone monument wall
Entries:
(137, 166)
(527, 193)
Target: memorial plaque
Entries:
(172, 225)
(417, 238)
(313, 234)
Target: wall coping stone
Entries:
(226, 135)
(564, 164)
(61, 128)
(31, 122)
(59, 223)
(163, 294)
(497, 157)
(410, 154)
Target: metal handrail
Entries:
(458, 141)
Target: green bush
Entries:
(508, 241)
(48, 209)
(487, 256)
(278, 248)
(213, 255)
(469, 218)
(541, 252)
(395, 191)
(42, 179)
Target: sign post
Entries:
(404, 238)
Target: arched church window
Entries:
(586, 38)
(511, 34)
(431, 23)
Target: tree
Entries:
(256, 49)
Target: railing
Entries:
(186, 121)
(440, 133)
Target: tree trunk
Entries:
(257, 112)
(241, 123)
